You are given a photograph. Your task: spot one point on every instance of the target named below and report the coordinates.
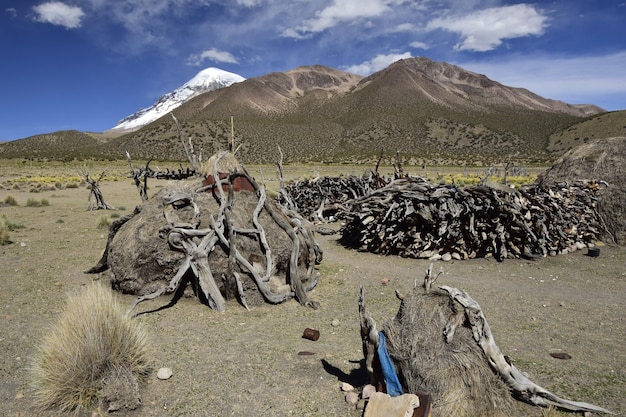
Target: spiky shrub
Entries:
(95, 353)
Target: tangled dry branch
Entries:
(221, 244)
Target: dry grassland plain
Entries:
(241, 363)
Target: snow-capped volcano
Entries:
(208, 79)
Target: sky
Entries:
(86, 64)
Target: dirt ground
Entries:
(242, 363)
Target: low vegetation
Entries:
(5, 228)
(10, 201)
(94, 353)
(32, 202)
(104, 222)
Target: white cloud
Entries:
(249, 3)
(419, 45)
(212, 55)
(586, 79)
(59, 14)
(339, 11)
(377, 63)
(485, 30)
(403, 27)
(11, 11)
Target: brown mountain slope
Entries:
(432, 112)
(452, 86)
(276, 93)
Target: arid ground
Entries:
(244, 363)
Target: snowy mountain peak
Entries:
(208, 79)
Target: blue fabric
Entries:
(389, 372)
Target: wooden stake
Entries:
(231, 145)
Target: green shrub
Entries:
(32, 202)
(94, 348)
(10, 200)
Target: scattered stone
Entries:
(446, 257)
(305, 353)
(352, 398)
(113, 406)
(361, 404)
(164, 373)
(345, 387)
(368, 390)
(19, 395)
(335, 323)
(384, 405)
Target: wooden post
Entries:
(231, 144)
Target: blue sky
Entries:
(86, 64)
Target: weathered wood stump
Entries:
(439, 343)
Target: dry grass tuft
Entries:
(103, 222)
(5, 236)
(10, 201)
(94, 353)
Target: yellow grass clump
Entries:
(95, 353)
(466, 180)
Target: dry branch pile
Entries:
(221, 235)
(413, 218)
(324, 198)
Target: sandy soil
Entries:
(242, 363)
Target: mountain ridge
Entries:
(431, 112)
